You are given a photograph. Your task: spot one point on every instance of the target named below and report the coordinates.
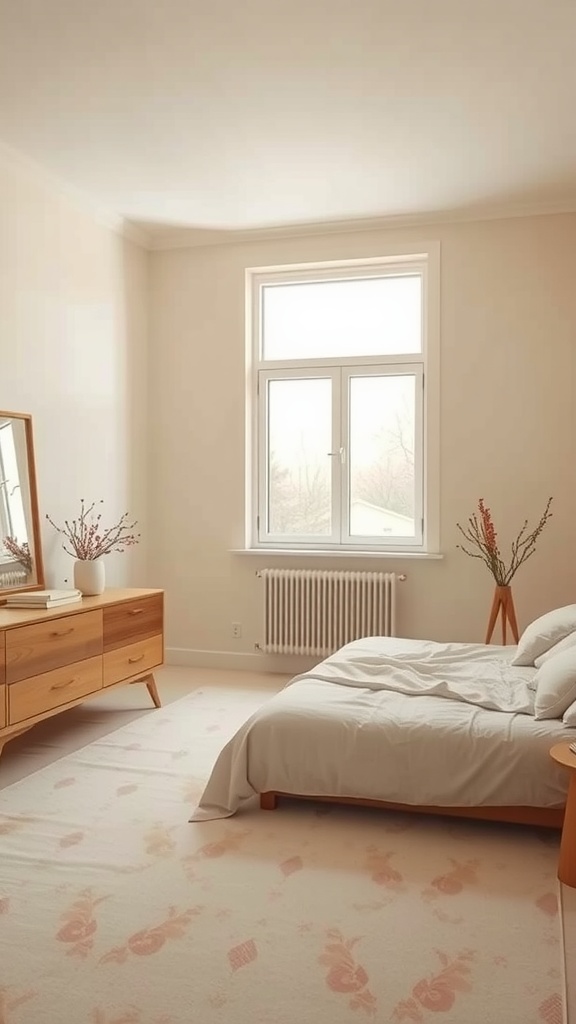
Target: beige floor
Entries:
(79, 726)
(73, 729)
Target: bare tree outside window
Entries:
(299, 499)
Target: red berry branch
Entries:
(481, 534)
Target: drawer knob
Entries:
(62, 632)
(135, 611)
(62, 686)
(132, 661)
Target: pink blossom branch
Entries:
(21, 552)
(86, 540)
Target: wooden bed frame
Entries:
(547, 817)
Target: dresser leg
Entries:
(150, 684)
(6, 739)
(153, 690)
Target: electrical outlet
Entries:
(236, 630)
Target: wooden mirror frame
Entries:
(34, 538)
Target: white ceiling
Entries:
(230, 115)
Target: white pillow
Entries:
(569, 716)
(562, 645)
(543, 633)
(556, 685)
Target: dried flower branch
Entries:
(21, 552)
(481, 534)
(86, 539)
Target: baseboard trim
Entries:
(238, 661)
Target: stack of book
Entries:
(42, 598)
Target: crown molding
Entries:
(82, 201)
(186, 238)
(158, 239)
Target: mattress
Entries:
(443, 743)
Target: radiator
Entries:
(314, 612)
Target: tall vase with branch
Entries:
(87, 540)
(480, 535)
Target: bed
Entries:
(450, 728)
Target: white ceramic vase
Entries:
(89, 576)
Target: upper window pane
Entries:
(350, 317)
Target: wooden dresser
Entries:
(51, 660)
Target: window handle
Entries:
(340, 453)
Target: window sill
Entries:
(307, 553)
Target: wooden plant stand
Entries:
(503, 605)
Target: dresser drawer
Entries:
(32, 697)
(43, 646)
(133, 660)
(2, 657)
(132, 620)
(2, 706)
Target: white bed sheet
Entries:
(348, 738)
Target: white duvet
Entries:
(471, 673)
(405, 721)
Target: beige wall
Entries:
(508, 312)
(73, 353)
(166, 440)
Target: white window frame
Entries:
(424, 365)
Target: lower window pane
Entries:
(299, 467)
(382, 430)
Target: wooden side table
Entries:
(562, 754)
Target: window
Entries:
(343, 404)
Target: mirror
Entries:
(21, 565)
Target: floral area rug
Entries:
(114, 909)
